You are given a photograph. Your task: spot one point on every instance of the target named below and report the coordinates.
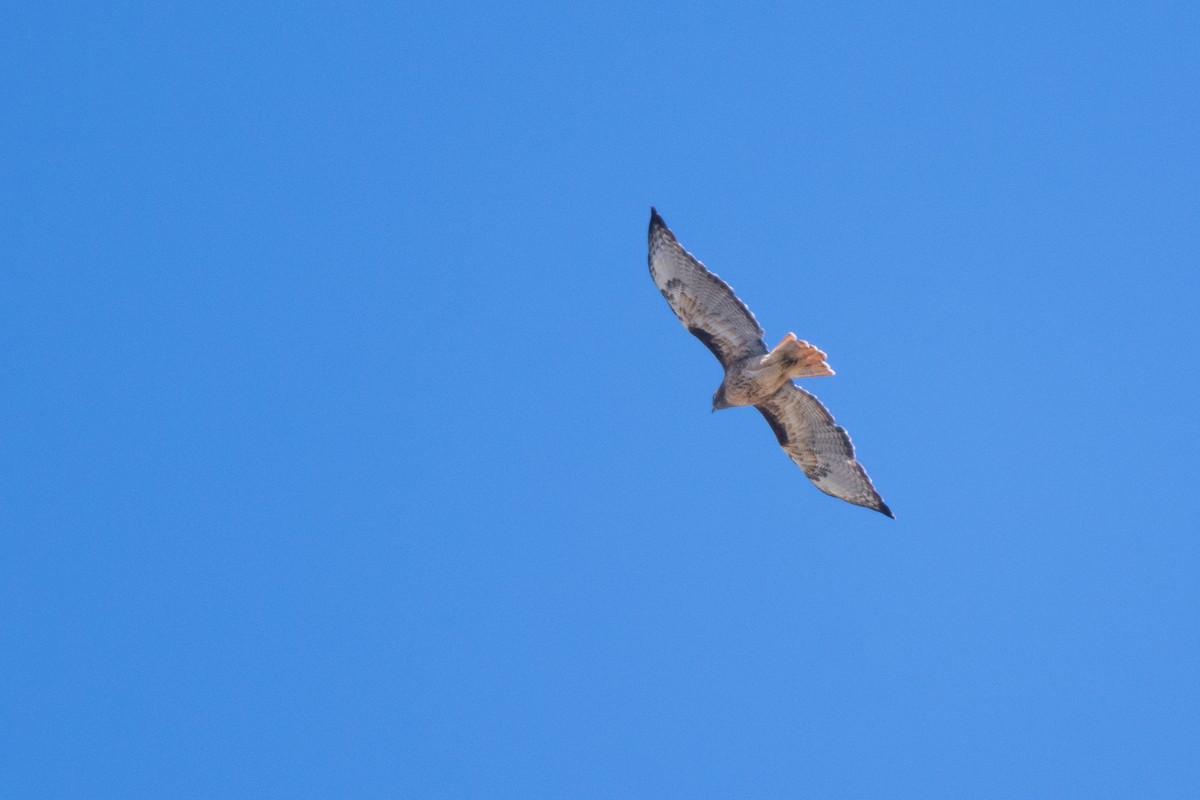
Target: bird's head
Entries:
(719, 399)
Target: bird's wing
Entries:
(704, 303)
(819, 446)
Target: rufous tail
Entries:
(800, 359)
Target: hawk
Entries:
(709, 309)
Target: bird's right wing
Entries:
(704, 303)
(819, 446)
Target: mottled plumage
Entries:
(709, 309)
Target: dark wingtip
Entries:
(655, 219)
(883, 509)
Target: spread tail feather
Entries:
(799, 358)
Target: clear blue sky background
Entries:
(349, 451)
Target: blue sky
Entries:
(349, 450)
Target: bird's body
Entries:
(755, 379)
(754, 376)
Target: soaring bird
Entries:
(710, 310)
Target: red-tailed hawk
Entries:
(710, 310)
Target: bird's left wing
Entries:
(819, 446)
(704, 303)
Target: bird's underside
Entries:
(710, 310)
(754, 379)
